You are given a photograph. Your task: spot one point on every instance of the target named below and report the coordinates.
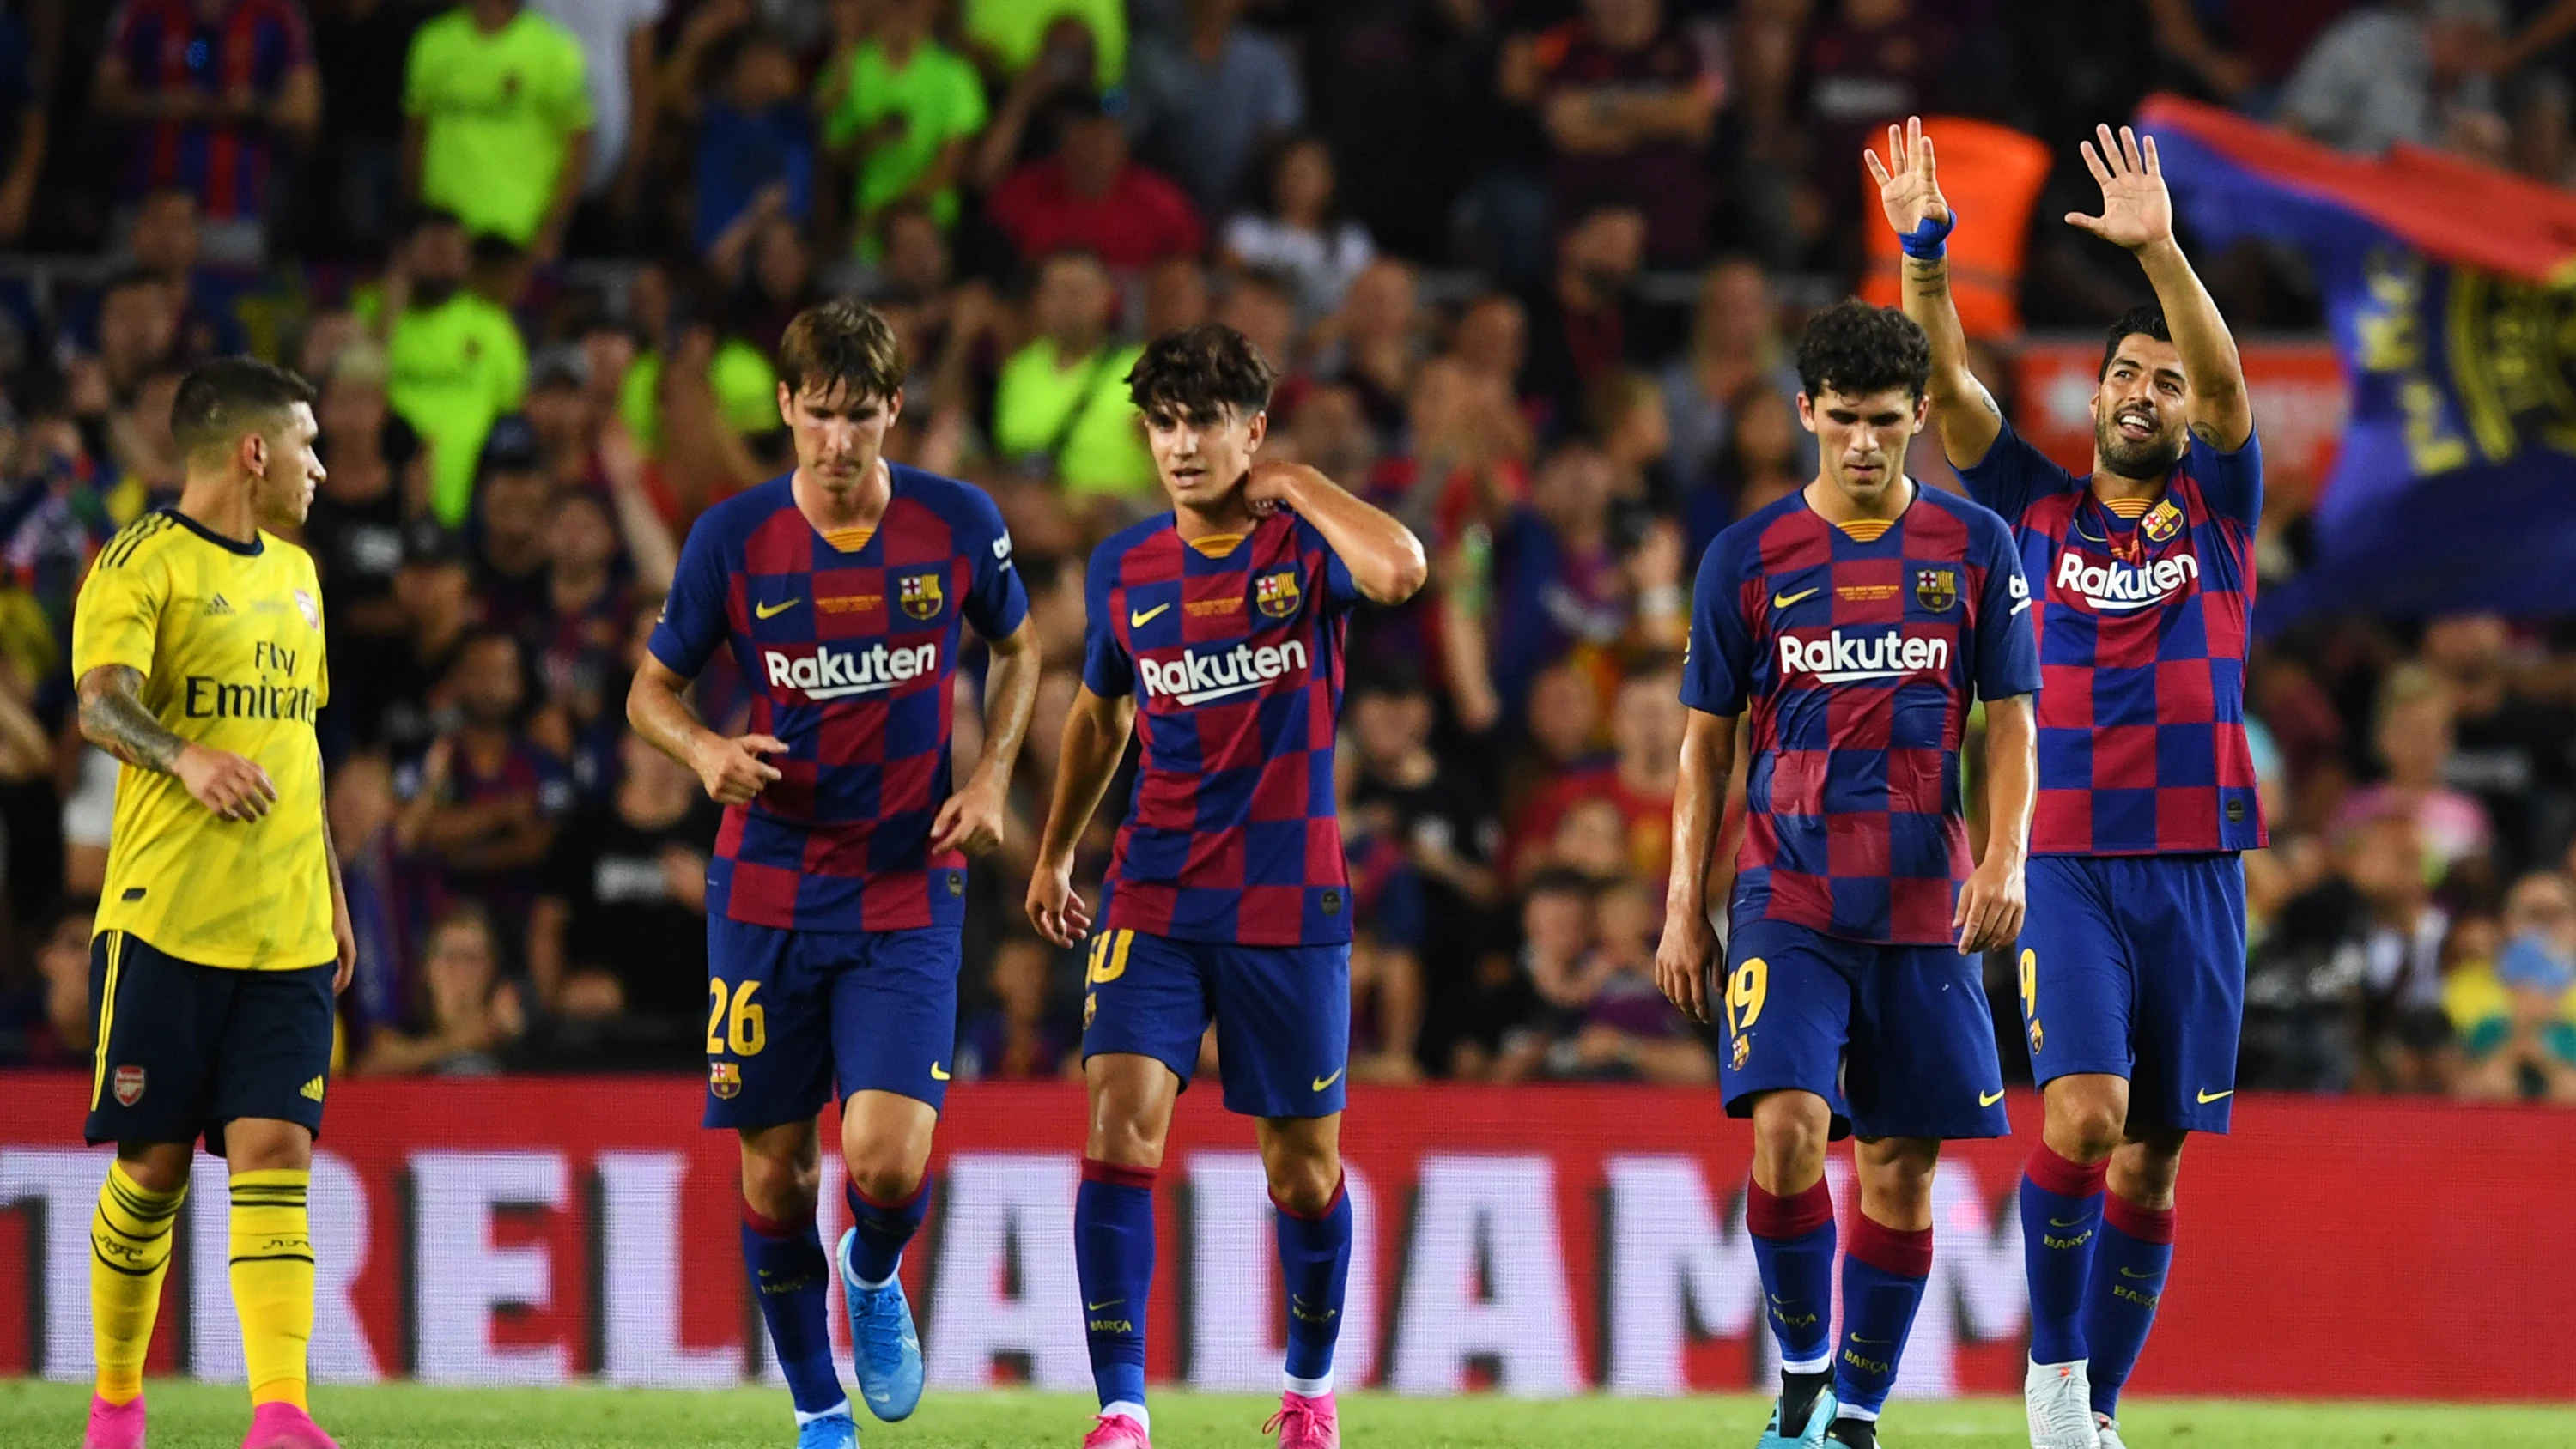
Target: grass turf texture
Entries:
(199, 1416)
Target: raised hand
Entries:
(1909, 184)
(2137, 211)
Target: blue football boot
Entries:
(886, 1350)
(832, 1431)
(1811, 1435)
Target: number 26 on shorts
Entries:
(741, 1031)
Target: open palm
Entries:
(2137, 211)
(1909, 184)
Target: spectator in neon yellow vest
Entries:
(497, 122)
(456, 359)
(906, 107)
(1060, 405)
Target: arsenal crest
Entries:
(724, 1079)
(921, 597)
(311, 611)
(2162, 521)
(129, 1086)
(1276, 594)
(1936, 589)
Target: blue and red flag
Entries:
(2450, 290)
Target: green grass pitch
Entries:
(198, 1416)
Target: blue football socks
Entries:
(1113, 1255)
(1315, 1264)
(1883, 1277)
(789, 1279)
(2061, 1220)
(2129, 1272)
(883, 1229)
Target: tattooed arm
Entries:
(114, 718)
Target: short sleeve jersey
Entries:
(1858, 650)
(1232, 647)
(501, 111)
(228, 639)
(2142, 621)
(848, 644)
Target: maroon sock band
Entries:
(2146, 1224)
(775, 1227)
(1769, 1215)
(1907, 1254)
(1319, 1214)
(899, 1204)
(2063, 1176)
(1095, 1170)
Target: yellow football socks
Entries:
(129, 1253)
(272, 1263)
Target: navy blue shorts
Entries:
(1896, 1039)
(791, 1013)
(184, 1049)
(1283, 1016)
(2134, 965)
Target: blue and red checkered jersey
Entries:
(1857, 648)
(168, 46)
(1232, 647)
(2142, 637)
(848, 647)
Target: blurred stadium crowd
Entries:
(1531, 269)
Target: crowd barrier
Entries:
(1533, 1241)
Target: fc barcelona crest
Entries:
(724, 1079)
(1936, 589)
(921, 596)
(1276, 594)
(2162, 522)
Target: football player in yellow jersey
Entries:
(223, 934)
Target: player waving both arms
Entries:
(2133, 959)
(1215, 634)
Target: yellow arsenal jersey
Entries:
(228, 637)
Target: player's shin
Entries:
(789, 1279)
(1793, 1248)
(1315, 1265)
(2061, 1220)
(2128, 1280)
(1883, 1276)
(272, 1275)
(1113, 1254)
(882, 1229)
(130, 1240)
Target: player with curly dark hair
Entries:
(1216, 634)
(1856, 621)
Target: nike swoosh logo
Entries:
(883, 1398)
(1988, 1099)
(1103, 1303)
(936, 1074)
(2067, 1222)
(1856, 1338)
(767, 612)
(1782, 601)
(2208, 1097)
(1139, 621)
(1322, 1082)
(2126, 1273)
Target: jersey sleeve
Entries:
(117, 619)
(2013, 475)
(2007, 645)
(694, 616)
(1107, 668)
(417, 63)
(2232, 482)
(1341, 591)
(1717, 664)
(995, 600)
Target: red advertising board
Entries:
(1535, 1240)
(2301, 402)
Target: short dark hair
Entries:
(1856, 349)
(2149, 319)
(841, 343)
(219, 401)
(1199, 372)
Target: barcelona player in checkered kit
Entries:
(1850, 626)
(1215, 637)
(2133, 961)
(836, 896)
